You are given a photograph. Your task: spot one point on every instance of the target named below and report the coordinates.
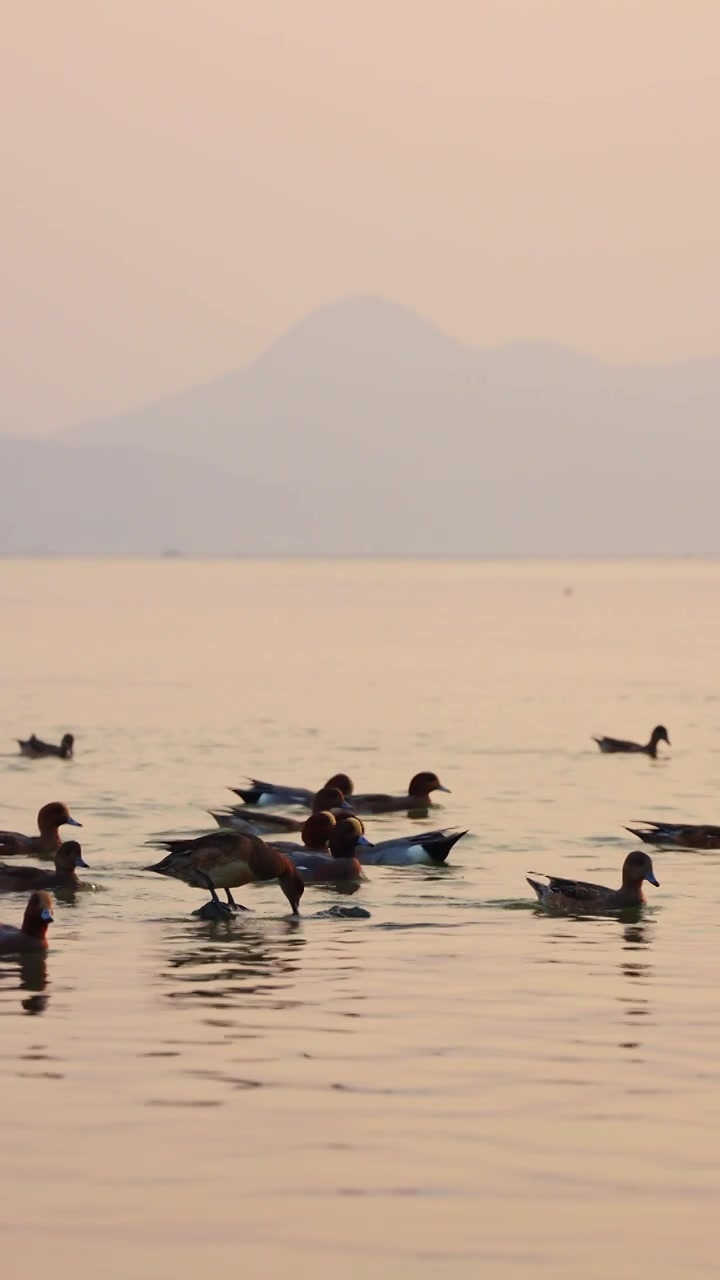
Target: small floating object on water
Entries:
(343, 913)
(35, 749)
(611, 745)
(580, 897)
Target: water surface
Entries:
(457, 1085)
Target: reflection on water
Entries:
(223, 965)
(32, 973)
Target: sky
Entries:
(183, 179)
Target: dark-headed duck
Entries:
(31, 936)
(67, 858)
(611, 745)
(228, 860)
(266, 793)
(253, 823)
(428, 850)
(418, 797)
(35, 748)
(678, 835)
(340, 862)
(50, 818)
(577, 897)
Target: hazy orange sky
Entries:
(183, 178)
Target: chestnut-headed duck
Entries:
(252, 823)
(678, 835)
(338, 859)
(31, 936)
(67, 858)
(266, 793)
(418, 797)
(428, 850)
(50, 818)
(228, 860)
(612, 745)
(35, 748)
(577, 897)
(315, 835)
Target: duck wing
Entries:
(579, 890)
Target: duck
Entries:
(35, 748)
(314, 837)
(679, 835)
(67, 858)
(417, 797)
(227, 860)
(339, 861)
(431, 849)
(50, 818)
(611, 745)
(266, 793)
(31, 936)
(248, 821)
(579, 897)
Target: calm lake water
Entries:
(457, 1085)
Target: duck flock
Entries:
(299, 836)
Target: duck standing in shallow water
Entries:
(262, 793)
(679, 835)
(611, 745)
(253, 823)
(417, 798)
(228, 860)
(578, 897)
(31, 936)
(50, 818)
(35, 749)
(67, 859)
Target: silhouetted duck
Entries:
(50, 818)
(579, 897)
(227, 860)
(610, 745)
(67, 858)
(679, 835)
(266, 793)
(253, 823)
(418, 797)
(430, 849)
(31, 936)
(35, 748)
(314, 836)
(341, 862)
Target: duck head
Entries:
(38, 914)
(292, 885)
(330, 798)
(67, 744)
(318, 829)
(69, 856)
(345, 838)
(342, 782)
(660, 734)
(55, 815)
(423, 783)
(638, 867)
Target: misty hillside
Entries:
(364, 428)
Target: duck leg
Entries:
(235, 906)
(214, 909)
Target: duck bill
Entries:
(46, 916)
(445, 789)
(652, 879)
(82, 863)
(73, 822)
(363, 840)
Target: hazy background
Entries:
(184, 182)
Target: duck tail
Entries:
(540, 889)
(438, 845)
(648, 837)
(250, 795)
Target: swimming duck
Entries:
(31, 934)
(430, 849)
(610, 745)
(314, 837)
(340, 862)
(35, 748)
(67, 858)
(679, 835)
(248, 821)
(227, 860)
(418, 797)
(579, 897)
(262, 793)
(50, 818)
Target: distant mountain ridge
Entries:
(366, 429)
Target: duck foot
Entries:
(233, 905)
(214, 910)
